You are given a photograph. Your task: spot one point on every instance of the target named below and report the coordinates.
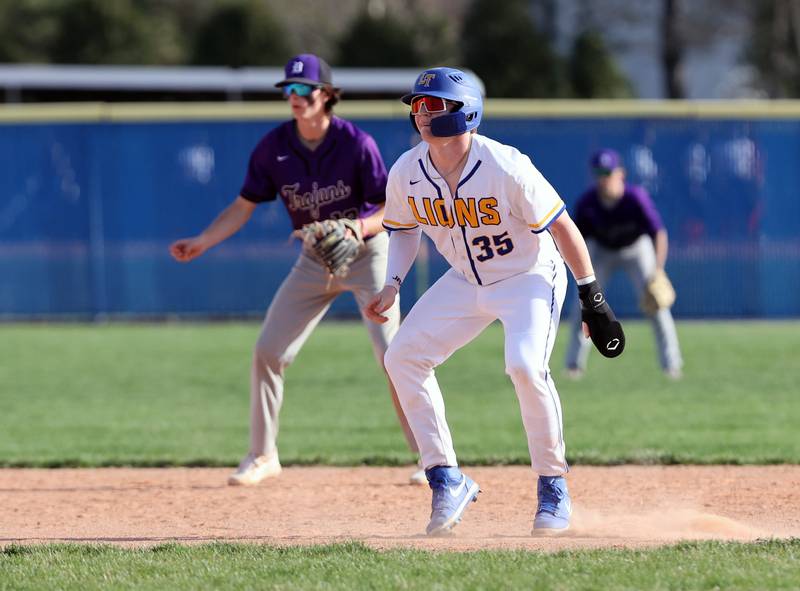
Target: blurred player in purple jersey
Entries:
(322, 167)
(624, 230)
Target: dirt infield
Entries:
(627, 506)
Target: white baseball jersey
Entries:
(494, 226)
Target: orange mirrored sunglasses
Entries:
(433, 104)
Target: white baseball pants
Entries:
(451, 314)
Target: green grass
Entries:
(169, 394)
(177, 394)
(707, 565)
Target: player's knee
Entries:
(526, 376)
(393, 358)
(519, 374)
(268, 355)
(651, 314)
(398, 354)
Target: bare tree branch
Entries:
(672, 50)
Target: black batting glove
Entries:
(604, 329)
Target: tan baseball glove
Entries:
(335, 242)
(658, 294)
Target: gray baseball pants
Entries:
(639, 261)
(298, 306)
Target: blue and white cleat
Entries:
(555, 507)
(452, 492)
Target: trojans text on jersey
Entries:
(465, 211)
(312, 200)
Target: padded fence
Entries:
(90, 203)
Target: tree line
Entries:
(509, 43)
(504, 47)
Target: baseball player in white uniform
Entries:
(504, 230)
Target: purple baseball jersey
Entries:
(344, 177)
(619, 226)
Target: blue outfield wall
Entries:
(90, 199)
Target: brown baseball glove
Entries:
(335, 242)
(658, 294)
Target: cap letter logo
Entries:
(426, 79)
(297, 67)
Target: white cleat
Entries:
(419, 477)
(574, 373)
(673, 373)
(254, 469)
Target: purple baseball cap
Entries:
(605, 160)
(307, 68)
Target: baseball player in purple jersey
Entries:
(624, 230)
(322, 167)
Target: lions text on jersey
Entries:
(493, 227)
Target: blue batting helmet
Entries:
(453, 85)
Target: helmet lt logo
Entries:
(426, 79)
(297, 67)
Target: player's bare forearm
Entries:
(228, 222)
(572, 246)
(661, 243)
(373, 224)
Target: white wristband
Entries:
(585, 280)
